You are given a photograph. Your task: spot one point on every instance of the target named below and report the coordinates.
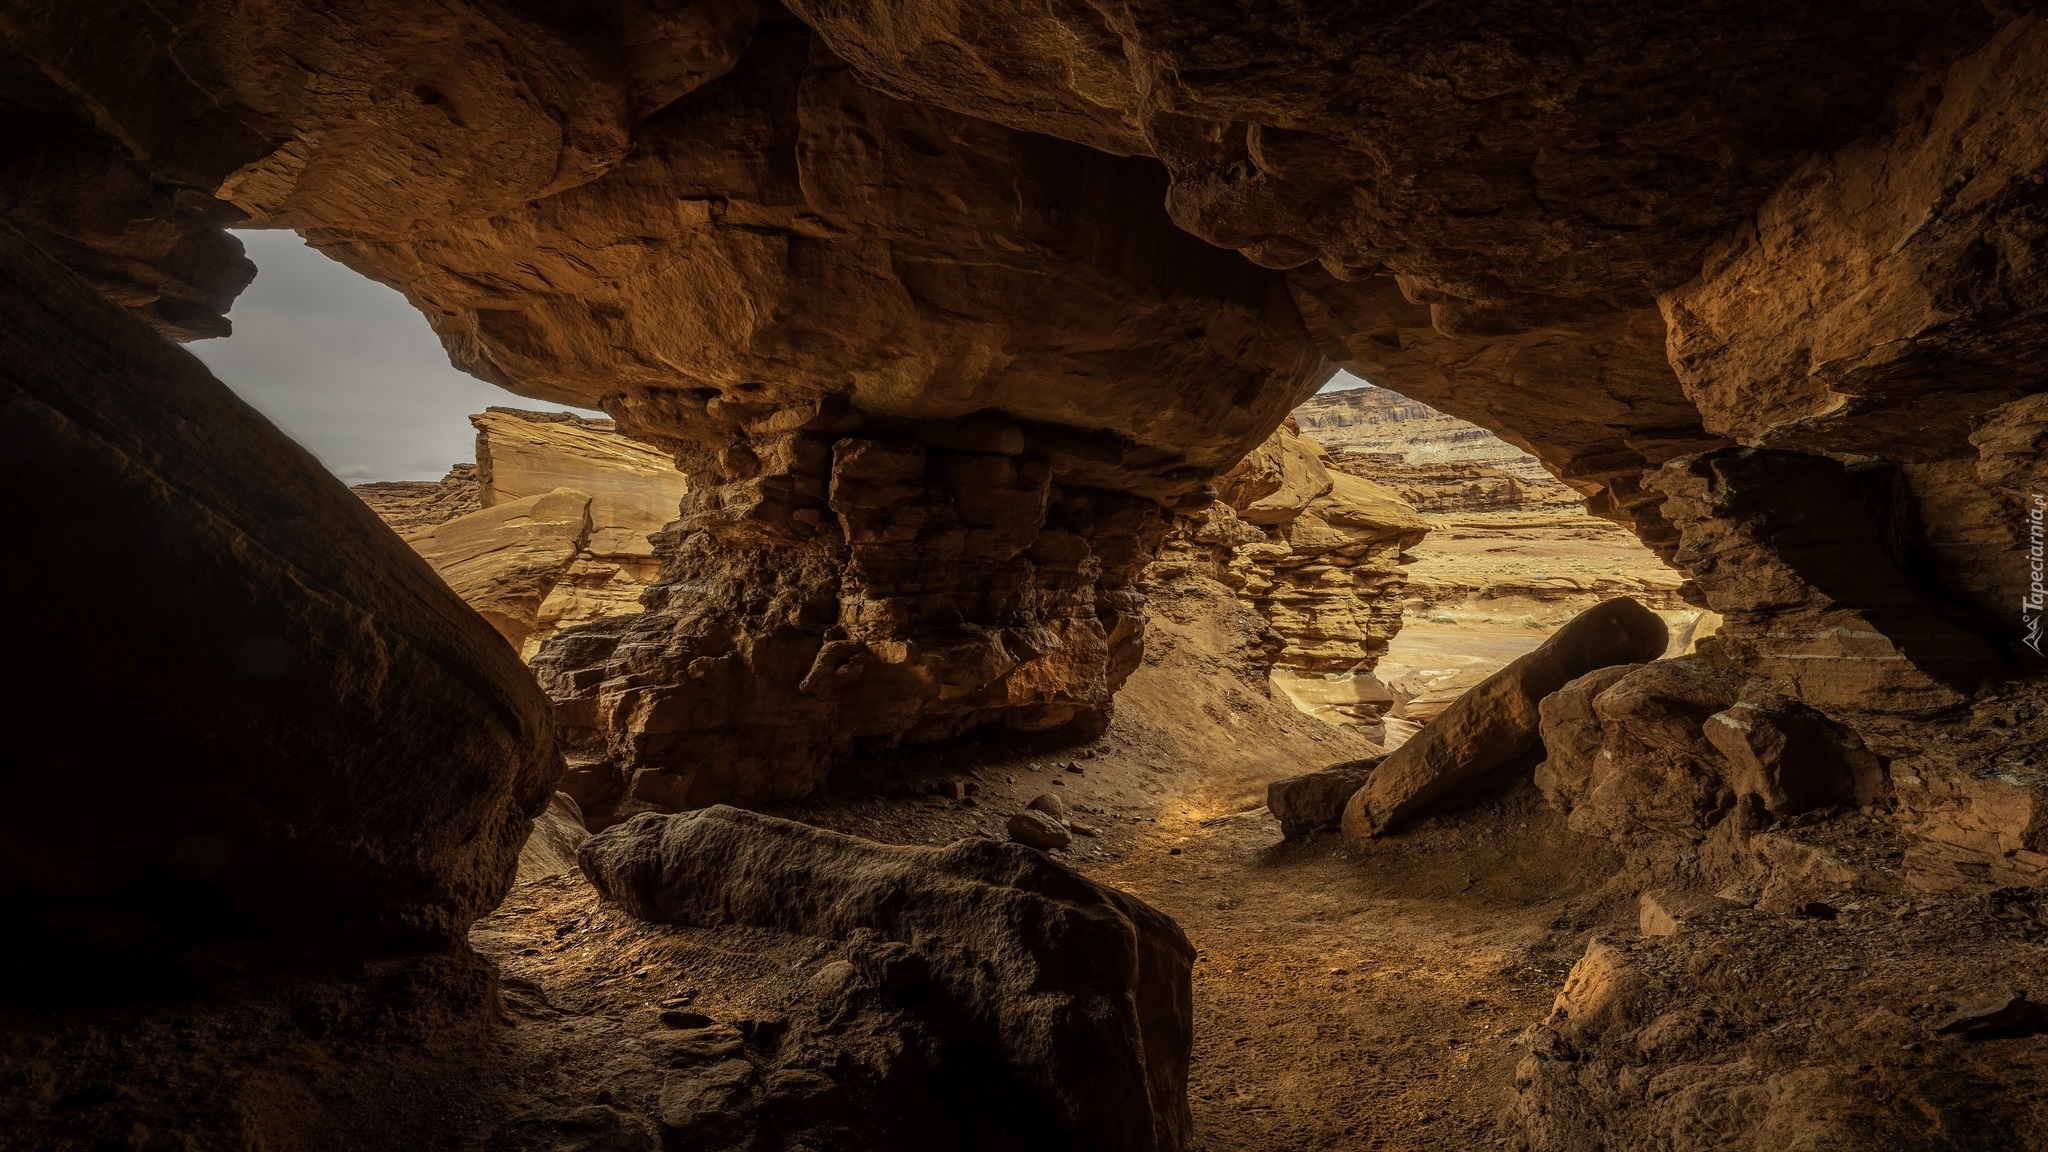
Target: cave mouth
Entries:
(955, 386)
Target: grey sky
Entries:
(347, 368)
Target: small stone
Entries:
(1051, 805)
(1074, 766)
(1080, 829)
(1173, 851)
(1038, 830)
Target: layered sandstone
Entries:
(1437, 463)
(549, 529)
(1319, 553)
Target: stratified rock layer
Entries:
(294, 737)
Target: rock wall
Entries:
(1434, 462)
(298, 743)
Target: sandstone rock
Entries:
(316, 748)
(1497, 721)
(1664, 912)
(1793, 758)
(1038, 830)
(1625, 753)
(1433, 462)
(551, 847)
(413, 505)
(1049, 804)
(1325, 573)
(1081, 991)
(1602, 993)
(504, 560)
(634, 489)
(1315, 800)
(1787, 550)
(501, 561)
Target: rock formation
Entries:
(1495, 724)
(1319, 553)
(1081, 991)
(411, 505)
(550, 528)
(297, 740)
(944, 310)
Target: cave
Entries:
(955, 695)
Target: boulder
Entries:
(1039, 830)
(1081, 991)
(1624, 751)
(1315, 800)
(294, 737)
(1793, 758)
(1497, 722)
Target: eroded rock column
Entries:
(854, 583)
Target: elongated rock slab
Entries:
(1498, 721)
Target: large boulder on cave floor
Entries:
(255, 718)
(1496, 723)
(1624, 749)
(1082, 992)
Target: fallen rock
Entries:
(1996, 1017)
(1315, 800)
(1624, 754)
(1497, 722)
(1664, 913)
(1039, 830)
(1083, 993)
(1793, 758)
(551, 847)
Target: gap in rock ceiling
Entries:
(345, 366)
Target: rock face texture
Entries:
(871, 271)
(316, 747)
(1082, 992)
(411, 505)
(1496, 722)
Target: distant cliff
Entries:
(1437, 463)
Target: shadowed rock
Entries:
(1497, 722)
(1315, 800)
(294, 737)
(1082, 991)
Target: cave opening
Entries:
(975, 686)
